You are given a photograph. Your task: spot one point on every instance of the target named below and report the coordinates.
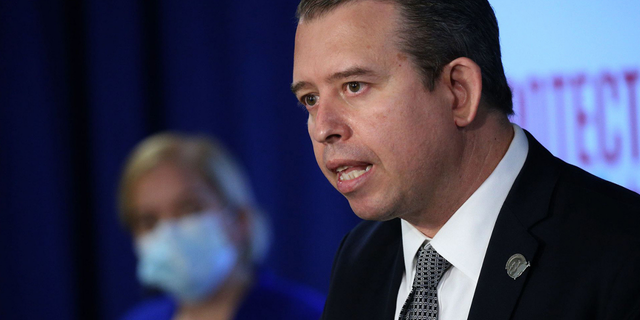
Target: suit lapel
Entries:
(368, 289)
(387, 271)
(391, 288)
(497, 294)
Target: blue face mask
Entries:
(189, 258)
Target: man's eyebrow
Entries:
(353, 71)
(297, 86)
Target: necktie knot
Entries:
(430, 267)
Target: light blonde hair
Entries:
(212, 162)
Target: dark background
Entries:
(82, 81)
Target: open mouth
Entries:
(346, 173)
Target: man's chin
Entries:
(372, 214)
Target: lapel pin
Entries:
(516, 265)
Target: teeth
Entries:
(342, 168)
(353, 174)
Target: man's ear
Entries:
(464, 79)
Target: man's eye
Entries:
(310, 100)
(354, 87)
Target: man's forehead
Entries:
(349, 37)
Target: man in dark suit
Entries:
(472, 218)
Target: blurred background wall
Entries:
(574, 68)
(82, 81)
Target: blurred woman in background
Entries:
(199, 236)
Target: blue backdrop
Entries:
(82, 81)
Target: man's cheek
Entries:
(317, 150)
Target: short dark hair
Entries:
(436, 32)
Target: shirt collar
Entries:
(463, 240)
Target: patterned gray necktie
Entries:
(422, 303)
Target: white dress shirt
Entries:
(464, 239)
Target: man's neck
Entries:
(484, 146)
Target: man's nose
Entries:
(329, 124)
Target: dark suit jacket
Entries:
(580, 234)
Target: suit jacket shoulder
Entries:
(366, 273)
(580, 235)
